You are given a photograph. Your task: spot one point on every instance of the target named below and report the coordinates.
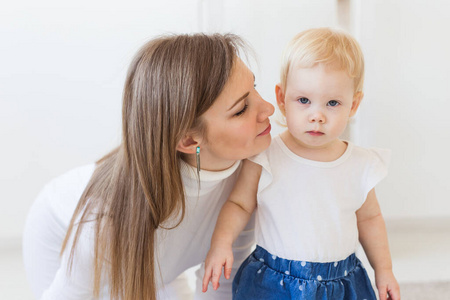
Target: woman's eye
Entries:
(241, 111)
(304, 100)
(333, 103)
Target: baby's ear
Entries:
(279, 92)
(356, 102)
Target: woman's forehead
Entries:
(238, 84)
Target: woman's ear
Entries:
(356, 102)
(280, 98)
(188, 144)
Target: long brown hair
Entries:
(171, 82)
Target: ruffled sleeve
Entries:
(262, 159)
(379, 160)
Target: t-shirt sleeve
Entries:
(266, 177)
(379, 160)
(42, 238)
(46, 226)
(78, 283)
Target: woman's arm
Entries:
(76, 283)
(373, 238)
(45, 230)
(232, 219)
(42, 239)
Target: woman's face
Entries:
(237, 124)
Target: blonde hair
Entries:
(332, 47)
(135, 188)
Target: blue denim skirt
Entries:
(266, 276)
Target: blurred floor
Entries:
(13, 284)
(420, 251)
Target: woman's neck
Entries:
(208, 163)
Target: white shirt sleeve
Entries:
(378, 167)
(42, 238)
(78, 284)
(177, 289)
(46, 226)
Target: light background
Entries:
(63, 64)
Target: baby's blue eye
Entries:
(333, 103)
(304, 100)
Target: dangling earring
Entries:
(198, 160)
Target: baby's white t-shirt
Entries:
(307, 209)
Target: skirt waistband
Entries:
(307, 270)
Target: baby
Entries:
(314, 192)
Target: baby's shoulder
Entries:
(370, 155)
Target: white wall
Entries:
(63, 65)
(268, 25)
(407, 103)
(62, 70)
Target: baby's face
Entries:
(318, 103)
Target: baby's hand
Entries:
(217, 258)
(387, 285)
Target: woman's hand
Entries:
(218, 257)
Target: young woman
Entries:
(129, 225)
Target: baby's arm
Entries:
(232, 219)
(373, 238)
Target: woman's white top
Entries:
(177, 249)
(306, 209)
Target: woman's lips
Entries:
(266, 131)
(315, 133)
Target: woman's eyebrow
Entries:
(239, 100)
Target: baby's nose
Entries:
(317, 117)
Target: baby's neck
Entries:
(326, 153)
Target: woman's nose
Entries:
(266, 110)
